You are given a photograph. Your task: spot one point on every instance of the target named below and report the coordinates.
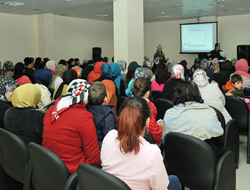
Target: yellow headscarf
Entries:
(27, 95)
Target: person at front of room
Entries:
(159, 57)
(216, 52)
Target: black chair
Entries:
(47, 170)
(247, 91)
(195, 164)
(149, 137)
(162, 105)
(90, 177)
(14, 159)
(72, 183)
(156, 94)
(238, 110)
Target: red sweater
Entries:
(154, 128)
(72, 137)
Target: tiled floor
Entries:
(243, 172)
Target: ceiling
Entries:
(154, 10)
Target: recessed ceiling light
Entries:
(12, 3)
(101, 15)
(165, 16)
(202, 13)
(245, 9)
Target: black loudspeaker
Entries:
(96, 54)
(243, 51)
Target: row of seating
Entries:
(37, 168)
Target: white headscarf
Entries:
(200, 78)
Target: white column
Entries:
(128, 30)
(46, 36)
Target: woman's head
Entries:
(7, 87)
(161, 74)
(122, 64)
(134, 118)
(200, 78)
(27, 95)
(159, 48)
(186, 91)
(106, 70)
(69, 75)
(141, 86)
(140, 72)
(177, 72)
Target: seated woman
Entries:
(23, 119)
(128, 156)
(177, 74)
(67, 77)
(210, 93)
(57, 77)
(116, 77)
(190, 116)
(141, 88)
(96, 73)
(123, 65)
(7, 87)
(69, 129)
(161, 77)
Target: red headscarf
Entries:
(96, 73)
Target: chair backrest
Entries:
(90, 177)
(156, 94)
(191, 159)
(48, 170)
(72, 183)
(149, 137)
(14, 155)
(247, 91)
(162, 105)
(238, 109)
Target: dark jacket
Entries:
(4, 106)
(104, 119)
(27, 123)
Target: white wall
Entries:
(76, 37)
(18, 37)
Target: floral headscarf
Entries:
(8, 66)
(177, 72)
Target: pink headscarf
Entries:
(241, 68)
(51, 65)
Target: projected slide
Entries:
(198, 38)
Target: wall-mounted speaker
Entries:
(243, 51)
(96, 54)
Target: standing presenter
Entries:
(159, 57)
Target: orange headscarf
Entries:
(96, 73)
(112, 98)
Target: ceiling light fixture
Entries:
(12, 3)
(202, 13)
(165, 16)
(245, 9)
(173, 5)
(101, 15)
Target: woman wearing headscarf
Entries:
(7, 87)
(19, 75)
(43, 76)
(210, 93)
(116, 77)
(8, 67)
(67, 77)
(52, 66)
(23, 119)
(123, 66)
(131, 71)
(177, 74)
(69, 129)
(139, 72)
(111, 89)
(106, 72)
(241, 68)
(57, 77)
(96, 73)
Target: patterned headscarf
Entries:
(77, 92)
(8, 66)
(27, 95)
(106, 70)
(140, 72)
(204, 64)
(6, 84)
(177, 72)
(200, 78)
(215, 63)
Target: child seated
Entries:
(104, 116)
(234, 87)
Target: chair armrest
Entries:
(72, 182)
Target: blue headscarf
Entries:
(43, 76)
(116, 72)
(210, 74)
(106, 70)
